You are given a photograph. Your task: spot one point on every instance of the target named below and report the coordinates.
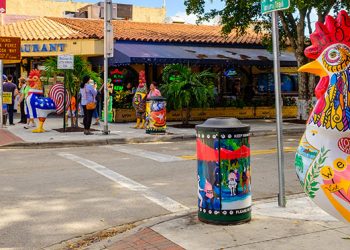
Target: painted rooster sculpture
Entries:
(39, 106)
(323, 156)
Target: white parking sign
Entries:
(65, 62)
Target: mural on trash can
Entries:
(235, 171)
(223, 178)
(323, 157)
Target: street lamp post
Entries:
(107, 33)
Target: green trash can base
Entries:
(224, 220)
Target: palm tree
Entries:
(73, 77)
(185, 89)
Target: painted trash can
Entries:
(223, 171)
(156, 115)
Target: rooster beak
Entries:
(314, 68)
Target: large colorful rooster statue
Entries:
(37, 105)
(323, 156)
(139, 101)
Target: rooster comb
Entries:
(33, 73)
(331, 32)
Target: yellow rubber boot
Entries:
(143, 124)
(137, 123)
(39, 129)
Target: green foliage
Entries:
(73, 77)
(243, 15)
(311, 185)
(185, 89)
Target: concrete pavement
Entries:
(301, 225)
(120, 133)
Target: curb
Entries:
(111, 141)
(138, 225)
(150, 222)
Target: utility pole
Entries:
(273, 6)
(108, 52)
(278, 104)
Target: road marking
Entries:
(253, 152)
(144, 153)
(160, 199)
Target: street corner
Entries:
(261, 232)
(298, 207)
(7, 138)
(145, 238)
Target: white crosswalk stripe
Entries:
(144, 153)
(160, 199)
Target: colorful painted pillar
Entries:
(4, 114)
(223, 172)
(156, 115)
(110, 110)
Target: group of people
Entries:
(18, 94)
(89, 99)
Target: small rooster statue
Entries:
(323, 156)
(37, 105)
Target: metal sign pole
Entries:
(277, 77)
(105, 75)
(64, 100)
(1, 111)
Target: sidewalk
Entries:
(120, 133)
(301, 225)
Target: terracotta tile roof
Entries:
(159, 32)
(54, 28)
(7, 19)
(40, 29)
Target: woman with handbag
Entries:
(88, 101)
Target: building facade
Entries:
(241, 62)
(20, 9)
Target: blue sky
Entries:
(174, 7)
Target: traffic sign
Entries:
(65, 62)
(274, 5)
(2, 6)
(10, 48)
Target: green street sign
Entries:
(273, 5)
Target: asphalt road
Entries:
(52, 195)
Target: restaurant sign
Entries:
(10, 48)
(2, 6)
(46, 47)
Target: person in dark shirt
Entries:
(10, 87)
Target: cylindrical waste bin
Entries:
(223, 155)
(156, 115)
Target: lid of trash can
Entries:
(156, 98)
(223, 124)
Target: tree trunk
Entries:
(305, 88)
